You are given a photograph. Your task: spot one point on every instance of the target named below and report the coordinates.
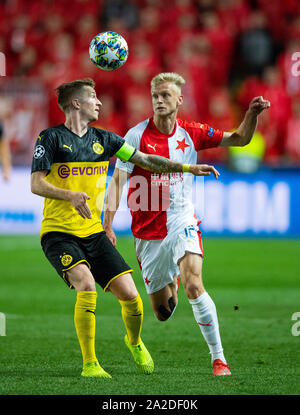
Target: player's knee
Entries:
(81, 278)
(85, 285)
(194, 289)
(123, 288)
(164, 313)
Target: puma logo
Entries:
(69, 147)
(152, 146)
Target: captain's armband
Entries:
(125, 152)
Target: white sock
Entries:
(205, 314)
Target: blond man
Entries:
(167, 237)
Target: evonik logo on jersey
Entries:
(65, 171)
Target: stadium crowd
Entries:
(228, 51)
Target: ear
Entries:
(75, 104)
(180, 100)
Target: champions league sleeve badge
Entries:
(39, 151)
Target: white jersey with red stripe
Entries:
(162, 203)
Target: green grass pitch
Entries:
(255, 286)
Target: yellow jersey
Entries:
(79, 164)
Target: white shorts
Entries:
(158, 259)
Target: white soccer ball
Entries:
(108, 51)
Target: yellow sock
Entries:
(85, 323)
(132, 314)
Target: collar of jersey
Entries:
(153, 126)
(76, 135)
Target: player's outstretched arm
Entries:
(41, 187)
(160, 164)
(242, 136)
(112, 202)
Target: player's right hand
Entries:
(79, 202)
(203, 170)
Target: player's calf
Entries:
(164, 313)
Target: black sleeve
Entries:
(44, 150)
(115, 143)
(1, 130)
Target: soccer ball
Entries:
(108, 51)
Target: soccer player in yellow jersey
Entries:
(69, 169)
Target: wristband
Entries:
(185, 168)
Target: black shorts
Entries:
(64, 251)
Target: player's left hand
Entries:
(258, 104)
(203, 170)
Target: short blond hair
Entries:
(172, 77)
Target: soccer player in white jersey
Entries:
(167, 237)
